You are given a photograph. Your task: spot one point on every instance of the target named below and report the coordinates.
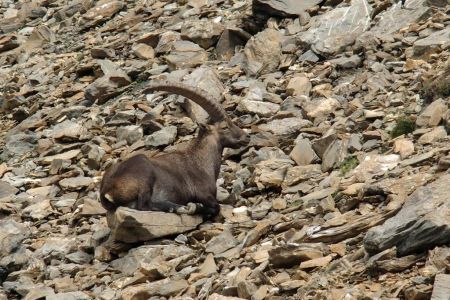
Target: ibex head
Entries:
(228, 134)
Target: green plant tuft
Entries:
(348, 164)
(403, 126)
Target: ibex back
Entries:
(182, 181)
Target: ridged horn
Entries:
(209, 103)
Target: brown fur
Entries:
(169, 181)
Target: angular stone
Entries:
(394, 18)
(209, 266)
(163, 288)
(3, 170)
(202, 32)
(101, 90)
(404, 147)
(271, 172)
(230, 38)
(186, 54)
(331, 32)
(39, 211)
(102, 53)
(221, 297)
(39, 293)
(71, 154)
(283, 8)
(299, 85)
(321, 145)
(8, 42)
(303, 153)
(56, 247)
(11, 235)
(263, 109)
(334, 155)
(344, 62)
(18, 144)
(92, 207)
(75, 183)
(136, 257)
(245, 289)
(103, 11)
(144, 51)
(291, 255)
(431, 44)
(6, 189)
(441, 288)
(309, 56)
(130, 226)
(221, 243)
(161, 137)
(375, 165)
(436, 134)
(155, 270)
(256, 233)
(79, 257)
(68, 130)
(317, 262)
(321, 108)
(130, 134)
(421, 224)
(262, 53)
(417, 159)
(69, 296)
(286, 126)
(299, 174)
(432, 115)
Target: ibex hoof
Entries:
(189, 209)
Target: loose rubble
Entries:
(342, 192)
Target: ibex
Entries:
(183, 181)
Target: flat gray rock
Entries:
(422, 223)
(262, 53)
(395, 18)
(332, 31)
(6, 189)
(283, 8)
(11, 235)
(441, 289)
(432, 43)
(130, 225)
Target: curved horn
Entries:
(206, 101)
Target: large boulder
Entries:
(283, 8)
(130, 225)
(395, 18)
(422, 223)
(332, 31)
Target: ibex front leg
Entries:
(208, 207)
(147, 202)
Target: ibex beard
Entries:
(182, 181)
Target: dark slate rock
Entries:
(422, 223)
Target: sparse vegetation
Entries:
(404, 125)
(349, 164)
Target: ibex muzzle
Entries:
(174, 182)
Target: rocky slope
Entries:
(341, 194)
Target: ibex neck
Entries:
(208, 154)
